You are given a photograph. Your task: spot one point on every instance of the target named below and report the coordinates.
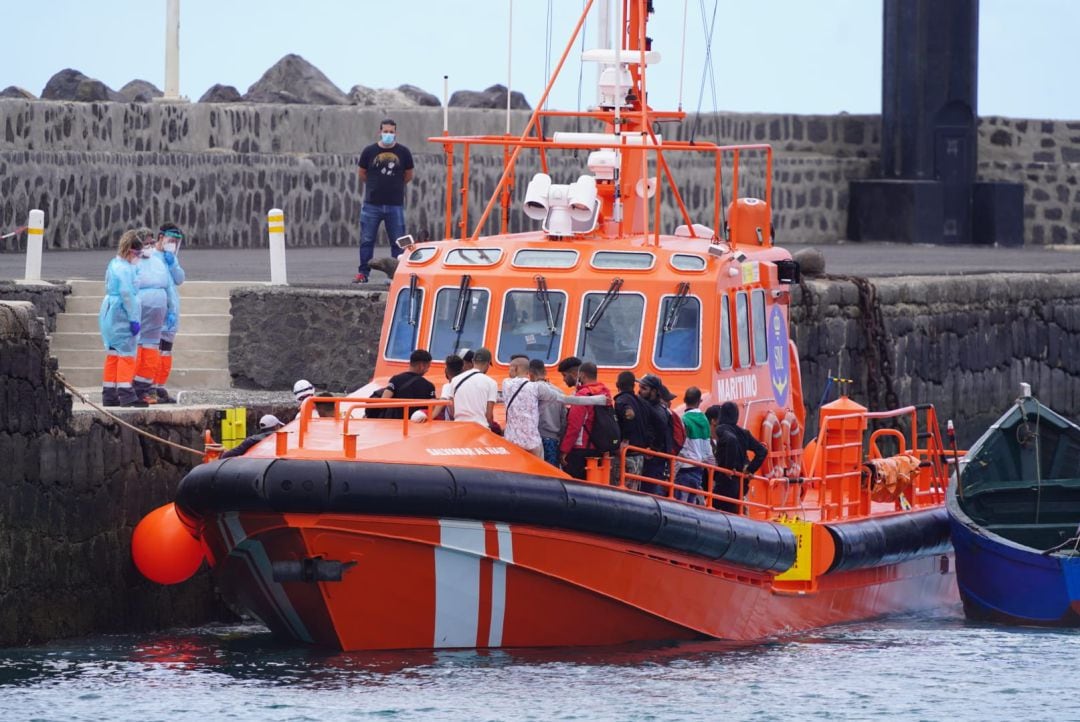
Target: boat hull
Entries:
(1004, 582)
(412, 582)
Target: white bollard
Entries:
(35, 236)
(275, 221)
(172, 50)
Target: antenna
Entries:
(445, 104)
(509, 57)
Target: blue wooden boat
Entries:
(1014, 519)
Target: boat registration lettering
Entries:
(737, 387)
(469, 451)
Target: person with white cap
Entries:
(268, 424)
(302, 389)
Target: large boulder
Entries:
(70, 84)
(13, 91)
(139, 91)
(219, 93)
(419, 96)
(294, 80)
(493, 97)
(404, 96)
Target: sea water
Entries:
(936, 667)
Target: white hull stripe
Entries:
(462, 546)
(254, 555)
(498, 584)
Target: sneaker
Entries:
(164, 398)
(149, 400)
(138, 404)
(360, 278)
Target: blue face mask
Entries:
(388, 138)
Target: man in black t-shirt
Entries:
(385, 168)
(633, 424)
(411, 384)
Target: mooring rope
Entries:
(60, 377)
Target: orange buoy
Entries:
(163, 549)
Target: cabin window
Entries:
(761, 347)
(742, 328)
(616, 336)
(687, 262)
(537, 258)
(422, 255)
(473, 257)
(678, 334)
(623, 260)
(725, 332)
(457, 326)
(527, 325)
(402, 340)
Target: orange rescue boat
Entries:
(365, 533)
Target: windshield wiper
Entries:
(542, 294)
(676, 304)
(673, 313)
(462, 304)
(611, 295)
(413, 292)
(462, 309)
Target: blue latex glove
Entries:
(134, 326)
(170, 258)
(170, 319)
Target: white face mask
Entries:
(170, 247)
(146, 252)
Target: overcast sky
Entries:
(800, 56)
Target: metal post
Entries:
(35, 235)
(172, 50)
(275, 221)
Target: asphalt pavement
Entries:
(336, 266)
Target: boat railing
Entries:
(839, 467)
(721, 155)
(837, 483)
(345, 410)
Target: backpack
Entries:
(730, 448)
(605, 435)
(678, 432)
(374, 412)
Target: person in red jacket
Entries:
(576, 445)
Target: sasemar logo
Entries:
(779, 371)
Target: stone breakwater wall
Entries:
(72, 488)
(48, 300)
(99, 168)
(281, 334)
(961, 343)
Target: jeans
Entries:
(692, 477)
(551, 451)
(371, 216)
(655, 468)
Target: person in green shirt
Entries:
(698, 447)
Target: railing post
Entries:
(35, 233)
(275, 220)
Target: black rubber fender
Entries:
(889, 539)
(362, 487)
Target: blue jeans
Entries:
(551, 451)
(692, 477)
(371, 216)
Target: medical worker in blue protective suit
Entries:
(168, 242)
(156, 294)
(119, 322)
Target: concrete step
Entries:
(188, 378)
(195, 323)
(89, 340)
(194, 304)
(189, 289)
(183, 357)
